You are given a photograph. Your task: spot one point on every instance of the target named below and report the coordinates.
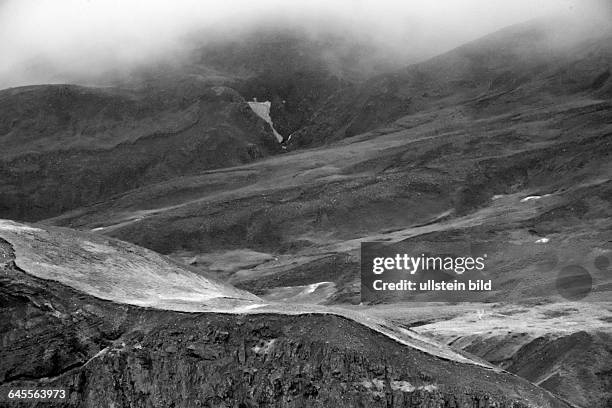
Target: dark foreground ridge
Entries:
(109, 354)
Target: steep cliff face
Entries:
(109, 354)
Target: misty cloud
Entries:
(45, 41)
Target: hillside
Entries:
(501, 146)
(127, 355)
(535, 63)
(68, 146)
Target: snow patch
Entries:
(533, 198)
(262, 109)
(246, 308)
(312, 287)
(314, 293)
(8, 225)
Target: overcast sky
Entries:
(49, 40)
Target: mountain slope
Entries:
(67, 146)
(504, 144)
(127, 355)
(120, 272)
(509, 151)
(563, 347)
(536, 63)
(115, 270)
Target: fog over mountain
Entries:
(194, 196)
(77, 41)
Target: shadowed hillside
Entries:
(67, 146)
(534, 63)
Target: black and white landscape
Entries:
(185, 187)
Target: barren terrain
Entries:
(184, 246)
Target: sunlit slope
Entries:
(115, 270)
